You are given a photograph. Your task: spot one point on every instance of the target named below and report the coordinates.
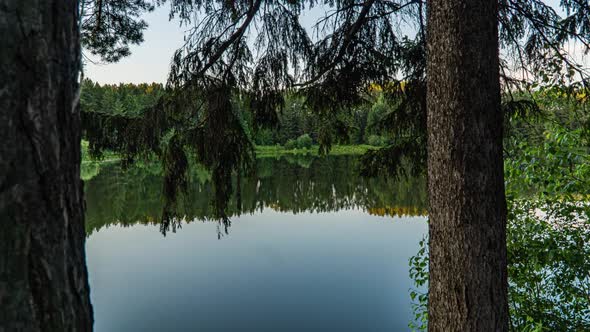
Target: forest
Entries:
(297, 127)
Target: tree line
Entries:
(297, 126)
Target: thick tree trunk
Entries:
(468, 275)
(43, 277)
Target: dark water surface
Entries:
(311, 247)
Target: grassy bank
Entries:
(277, 150)
(107, 156)
(261, 151)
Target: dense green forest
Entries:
(297, 127)
(529, 115)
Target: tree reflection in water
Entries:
(288, 184)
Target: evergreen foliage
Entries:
(296, 122)
(109, 27)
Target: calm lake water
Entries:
(311, 247)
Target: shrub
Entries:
(264, 137)
(304, 141)
(376, 140)
(291, 144)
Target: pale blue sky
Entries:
(150, 61)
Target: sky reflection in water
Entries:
(341, 269)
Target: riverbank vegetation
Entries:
(261, 151)
(547, 172)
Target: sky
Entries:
(150, 61)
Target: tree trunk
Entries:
(468, 274)
(43, 277)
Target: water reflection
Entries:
(312, 247)
(292, 184)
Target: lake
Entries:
(311, 247)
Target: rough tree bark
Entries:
(43, 277)
(468, 274)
